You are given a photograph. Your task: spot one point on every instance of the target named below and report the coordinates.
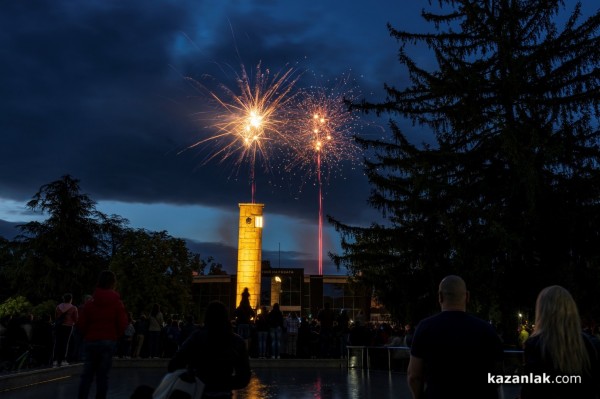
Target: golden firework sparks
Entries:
(249, 122)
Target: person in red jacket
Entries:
(102, 323)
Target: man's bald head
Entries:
(453, 294)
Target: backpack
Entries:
(173, 334)
(130, 330)
(180, 384)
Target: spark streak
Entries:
(324, 137)
(249, 122)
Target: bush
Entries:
(15, 306)
(44, 310)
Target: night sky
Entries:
(99, 90)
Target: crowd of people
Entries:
(271, 334)
(268, 334)
(448, 352)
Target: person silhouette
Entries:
(453, 352)
(275, 320)
(244, 315)
(559, 347)
(102, 323)
(215, 354)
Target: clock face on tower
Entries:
(248, 220)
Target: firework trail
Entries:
(264, 114)
(324, 137)
(249, 122)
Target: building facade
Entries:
(290, 288)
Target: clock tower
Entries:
(249, 252)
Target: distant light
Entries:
(278, 279)
(258, 222)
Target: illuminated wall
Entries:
(249, 252)
(275, 290)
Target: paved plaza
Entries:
(338, 383)
(267, 382)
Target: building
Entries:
(291, 288)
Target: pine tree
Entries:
(60, 254)
(508, 195)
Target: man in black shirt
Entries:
(453, 352)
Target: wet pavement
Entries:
(286, 383)
(325, 383)
(334, 383)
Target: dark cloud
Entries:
(78, 89)
(8, 230)
(97, 90)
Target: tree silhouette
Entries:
(506, 192)
(59, 254)
(153, 267)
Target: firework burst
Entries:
(248, 123)
(324, 128)
(324, 137)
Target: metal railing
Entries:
(395, 358)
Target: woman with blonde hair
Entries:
(558, 347)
